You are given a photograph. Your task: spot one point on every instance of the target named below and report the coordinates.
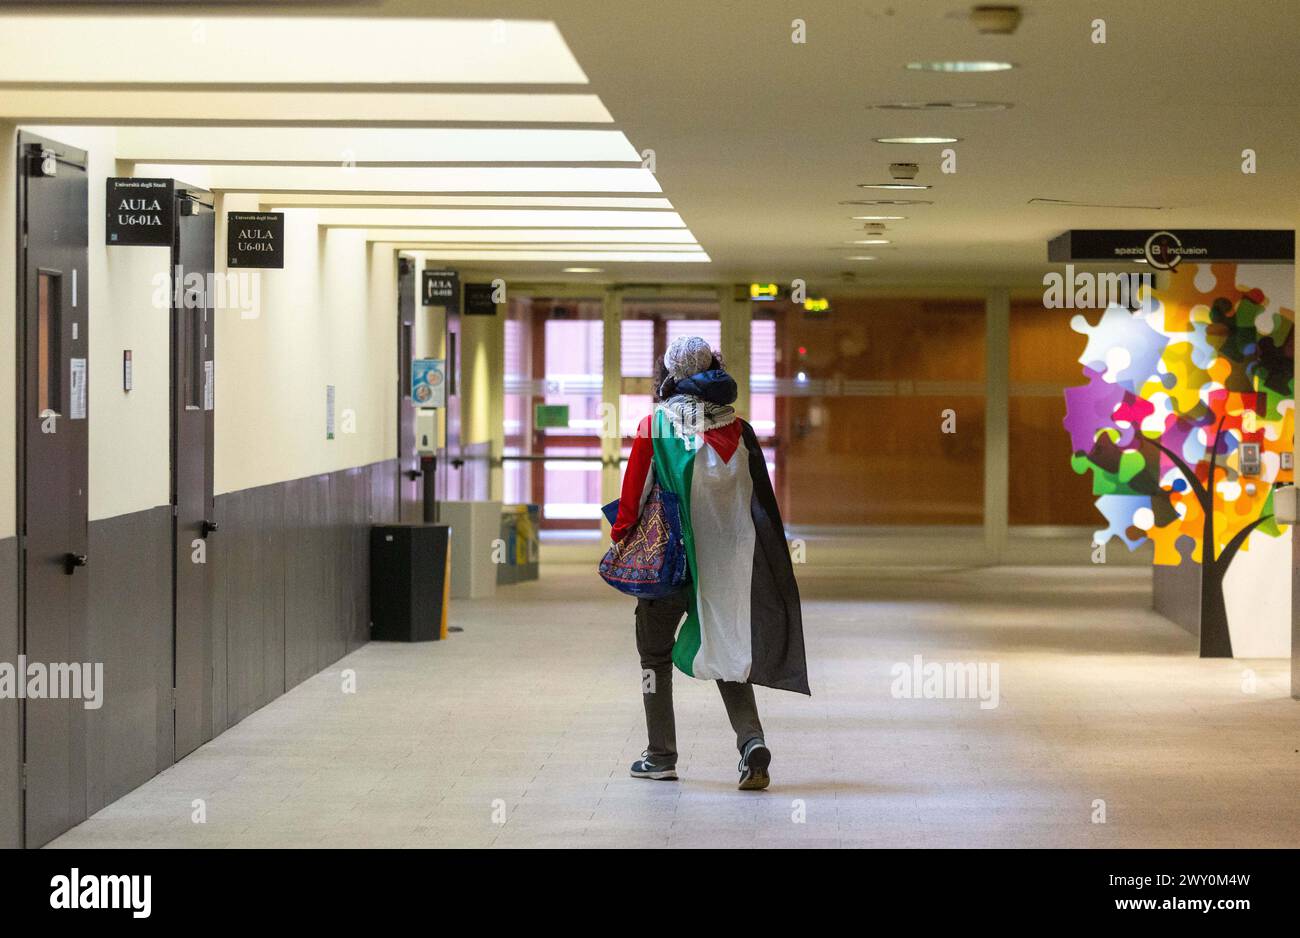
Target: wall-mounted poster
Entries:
(429, 382)
(1184, 422)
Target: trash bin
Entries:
(409, 581)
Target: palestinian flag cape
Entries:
(743, 621)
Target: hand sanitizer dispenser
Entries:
(426, 430)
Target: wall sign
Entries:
(429, 382)
(479, 299)
(550, 415)
(140, 211)
(1166, 249)
(255, 239)
(440, 288)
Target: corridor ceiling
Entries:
(422, 131)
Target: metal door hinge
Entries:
(24, 776)
(172, 695)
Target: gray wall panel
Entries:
(244, 677)
(10, 739)
(218, 562)
(270, 508)
(309, 609)
(130, 738)
(288, 593)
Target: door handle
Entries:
(72, 561)
(413, 474)
(208, 527)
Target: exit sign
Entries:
(550, 415)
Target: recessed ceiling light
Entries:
(943, 106)
(584, 270)
(891, 185)
(858, 257)
(869, 241)
(878, 217)
(885, 202)
(960, 66)
(917, 139)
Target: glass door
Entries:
(553, 362)
(649, 326)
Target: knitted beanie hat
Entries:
(688, 355)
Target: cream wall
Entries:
(327, 318)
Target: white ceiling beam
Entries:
(293, 106)
(408, 179)
(354, 146)
(258, 50)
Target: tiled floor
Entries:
(518, 732)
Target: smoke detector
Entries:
(903, 171)
(994, 20)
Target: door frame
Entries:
(70, 156)
(410, 503)
(197, 692)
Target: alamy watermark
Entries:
(950, 680)
(59, 680)
(1086, 290)
(234, 289)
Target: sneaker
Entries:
(645, 768)
(753, 766)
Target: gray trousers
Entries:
(656, 630)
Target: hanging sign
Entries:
(441, 288)
(480, 299)
(255, 239)
(1166, 249)
(140, 211)
(429, 382)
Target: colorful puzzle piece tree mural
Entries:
(1174, 388)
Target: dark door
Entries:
(191, 452)
(53, 407)
(409, 497)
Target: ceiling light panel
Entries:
(345, 199)
(918, 140)
(355, 145)
(319, 108)
(678, 236)
(943, 106)
(417, 236)
(431, 179)
(255, 50)
(633, 257)
(960, 67)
